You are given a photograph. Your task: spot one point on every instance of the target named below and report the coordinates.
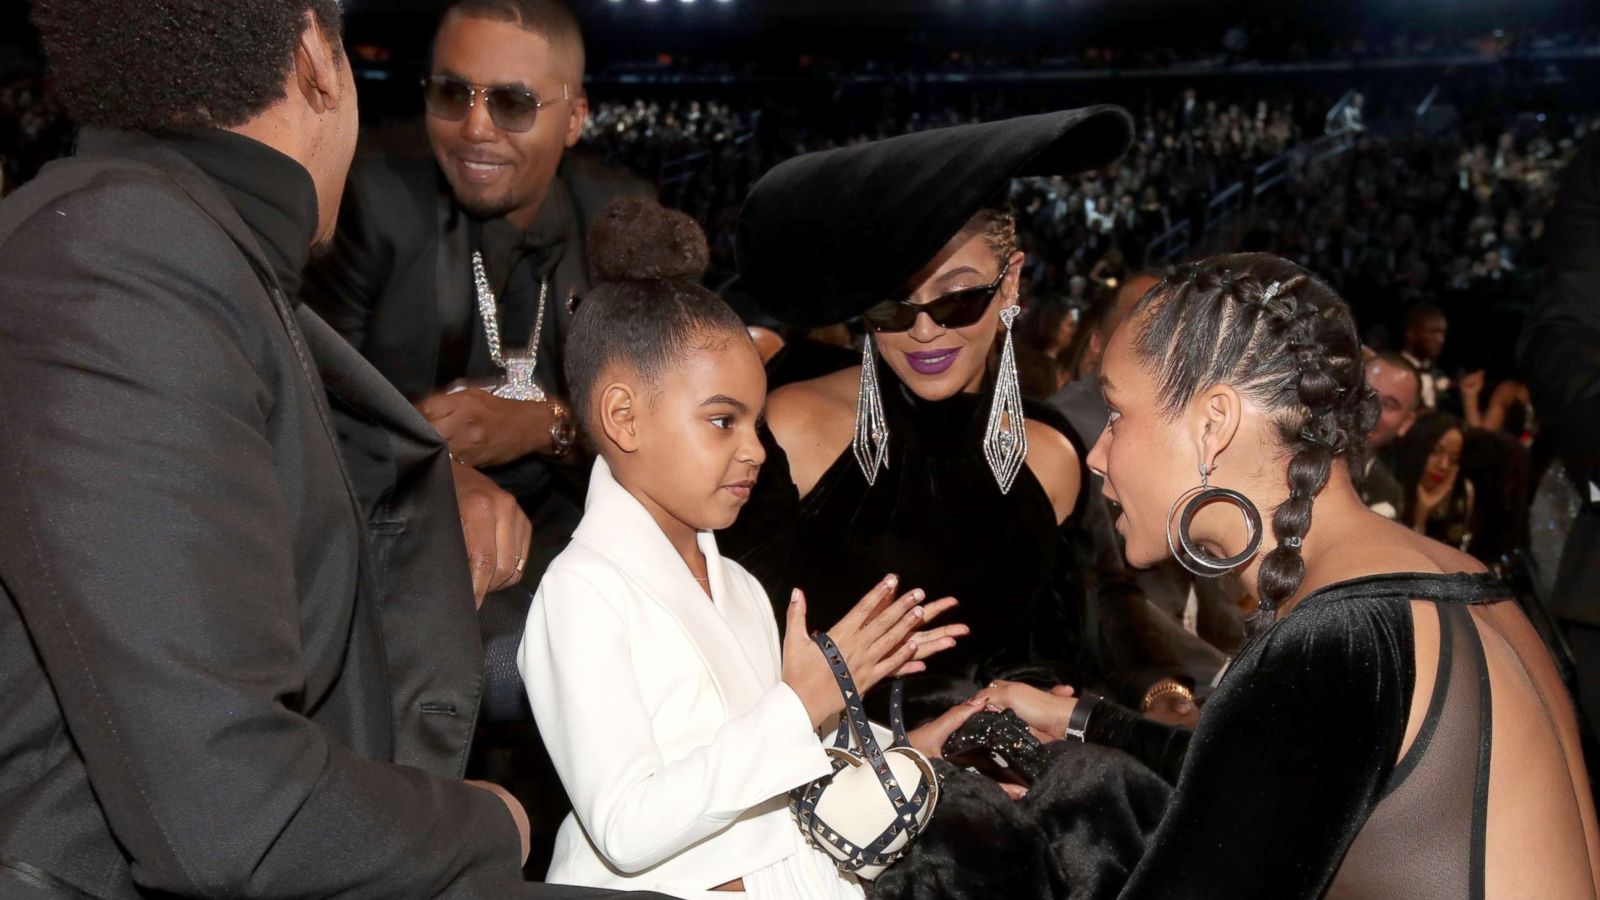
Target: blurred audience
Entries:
(1438, 500)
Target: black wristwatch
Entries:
(563, 433)
(1078, 722)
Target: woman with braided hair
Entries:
(1394, 727)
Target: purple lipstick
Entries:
(932, 362)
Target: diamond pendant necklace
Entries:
(519, 383)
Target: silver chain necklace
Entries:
(519, 383)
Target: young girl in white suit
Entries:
(651, 662)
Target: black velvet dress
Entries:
(1289, 786)
(937, 519)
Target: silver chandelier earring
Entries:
(871, 440)
(1005, 440)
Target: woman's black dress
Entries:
(937, 519)
(1289, 786)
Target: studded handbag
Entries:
(866, 813)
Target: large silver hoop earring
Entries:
(870, 442)
(1005, 440)
(1186, 550)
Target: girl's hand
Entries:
(875, 638)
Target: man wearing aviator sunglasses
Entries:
(511, 107)
(504, 102)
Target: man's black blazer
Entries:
(402, 261)
(1559, 353)
(210, 685)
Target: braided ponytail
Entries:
(1284, 338)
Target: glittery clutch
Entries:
(999, 745)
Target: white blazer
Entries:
(666, 716)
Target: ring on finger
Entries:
(521, 563)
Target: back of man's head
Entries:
(1106, 316)
(174, 66)
(550, 19)
(1137, 285)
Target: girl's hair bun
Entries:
(638, 239)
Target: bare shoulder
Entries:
(1379, 546)
(1054, 461)
(813, 421)
(803, 406)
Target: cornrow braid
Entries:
(1285, 339)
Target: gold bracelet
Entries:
(1161, 689)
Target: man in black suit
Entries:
(504, 99)
(211, 684)
(505, 103)
(1560, 355)
(1425, 331)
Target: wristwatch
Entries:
(1078, 723)
(563, 433)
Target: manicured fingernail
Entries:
(975, 701)
(916, 596)
(794, 596)
(918, 611)
(891, 580)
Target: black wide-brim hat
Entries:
(825, 236)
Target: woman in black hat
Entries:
(924, 460)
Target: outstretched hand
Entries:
(878, 638)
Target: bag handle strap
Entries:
(855, 719)
(897, 719)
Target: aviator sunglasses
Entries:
(956, 309)
(510, 108)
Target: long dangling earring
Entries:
(871, 440)
(1186, 550)
(1005, 440)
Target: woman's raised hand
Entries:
(877, 638)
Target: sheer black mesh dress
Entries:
(1289, 786)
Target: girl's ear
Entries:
(618, 419)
